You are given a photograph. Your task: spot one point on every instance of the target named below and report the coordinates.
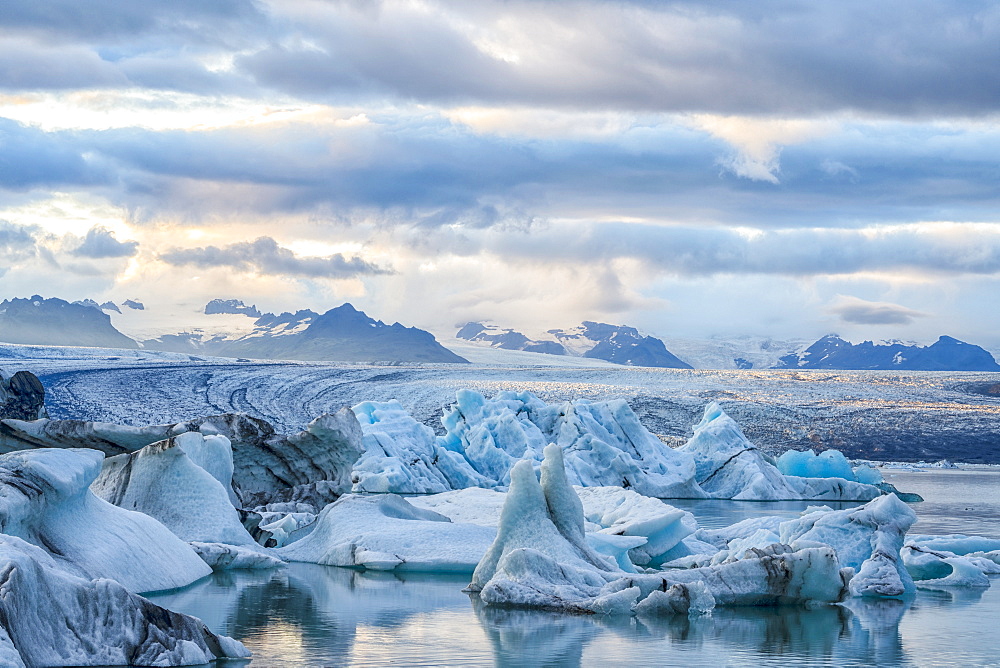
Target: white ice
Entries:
(165, 481)
(729, 466)
(539, 561)
(49, 617)
(384, 532)
(45, 499)
(402, 455)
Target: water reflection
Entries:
(325, 616)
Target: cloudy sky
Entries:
(788, 168)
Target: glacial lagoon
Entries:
(308, 615)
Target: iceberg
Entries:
(604, 443)
(538, 560)
(45, 499)
(637, 530)
(868, 538)
(49, 617)
(807, 464)
(402, 455)
(931, 568)
(313, 465)
(729, 466)
(167, 481)
(383, 532)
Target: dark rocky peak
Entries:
(134, 304)
(231, 306)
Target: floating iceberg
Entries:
(728, 466)
(49, 617)
(169, 481)
(384, 532)
(931, 568)
(807, 464)
(617, 521)
(45, 499)
(539, 560)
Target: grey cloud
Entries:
(701, 251)
(795, 58)
(265, 256)
(26, 65)
(114, 20)
(31, 158)
(861, 312)
(15, 237)
(101, 243)
(17, 242)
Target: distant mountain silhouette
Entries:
(946, 354)
(55, 322)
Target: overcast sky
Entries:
(787, 168)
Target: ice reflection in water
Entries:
(306, 615)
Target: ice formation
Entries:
(828, 464)
(402, 455)
(636, 530)
(313, 465)
(931, 568)
(185, 482)
(45, 499)
(22, 397)
(384, 532)
(728, 466)
(538, 560)
(49, 617)
(604, 443)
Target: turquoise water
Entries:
(307, 615)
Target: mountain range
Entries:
(594, 340)
(234, 329)
(946, 354)
(341, 334)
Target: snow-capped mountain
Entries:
(946, 354)
(57, 322)
(342, 334)
(594, 340)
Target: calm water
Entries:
(306, 615)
